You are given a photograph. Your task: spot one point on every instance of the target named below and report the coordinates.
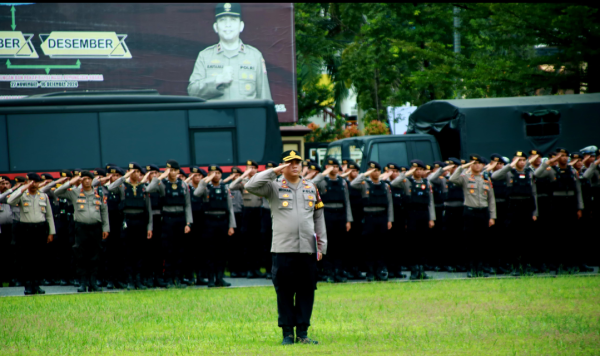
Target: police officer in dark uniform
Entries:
(567, 205)
(36, 229)
(177, 220)
(7, 265)
(338, 219)
(397, 235)
(219, 224)
(378, 207)
(498, 231)
(197, 264)
(153, 260)
(355, 247)
(438, 251)
(521, 209)
(591, 191)
(421, 215)
(137, 225)
(237, 259)
(251, 222)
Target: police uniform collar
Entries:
(242, 48)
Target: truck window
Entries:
(384, 153)
(335, 152)
(213, 146)
(423, 151)
(356, 153)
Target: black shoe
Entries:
(186, 281)
(259, 274)
(340, 278)
(28, 289)
(585, 268)
(401, 276)
(170, 284)
(99, 283)
(138, 283)
(201, 281)
(130, 285)
(288, 340)
(75, 282)
(82, 288)
(233, 275)
(63, 282)
(211, 280)
(391, 275)
(562, 271)
(403, 268)
(119, 285)
(45, 282)
(382, 276)
(220, 282)
(414, 273)
(471, 275)
(160, 283)
(250, 275)
(460, 268)
(370, 277)
(242, 274)
(358, 275)
(422, 274)
(93, 287)
(350, 275)
(38, 290)
(306, 340)
(268, 275)
(449, 269)
(110, 285)
(573, 270)
(502, 270)
(178, 284)
(330, 279)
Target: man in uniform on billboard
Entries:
(229, 70)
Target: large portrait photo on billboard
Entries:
(224, 51)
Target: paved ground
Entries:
(258, 282)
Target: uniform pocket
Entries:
(309, 201)
(247, 87)
(285, 200)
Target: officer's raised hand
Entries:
(385, 175)
(103, 180)
(448, 167)
(553, 160)
(165, 174)
(328, 170)
(533, 158)
(369, 172)
(149, 236)
(62, 180)
(145, 179)
(514, 162)
(246, 173)
(278, 170)
(467, 165)
(231, 231)
(128, 174)
(209, 177)
(104, 235)
(75, 180)
(410, 172)
(345, 174)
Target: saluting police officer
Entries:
(219, 224)
(338, 219)
(36, 229)
(229, 70)
(299, 240)
(153, 259)
(251, 222)
(91, 227)
(237, 264)
(521, 209)
(378, 208)
(444, 244)
(196, 263)
(355, 245)
(421, 215)
(177, 220)
(395, 254)
(266, 227)
(7, 266)
(591, 175)
(479, 210)
(137, 222)
(16, 216)
(567, 205)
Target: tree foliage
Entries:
(392, 53)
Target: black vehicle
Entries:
(505, 125)
(51, 132)
(400, 149)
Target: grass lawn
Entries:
(526, 316)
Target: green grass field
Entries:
(527, 316)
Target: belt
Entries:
(500, 200)
(475, 209)
(519, 198)
(375, 209)
(334, 205)
(564, 194)
(173, 213)
(215, 212)
(542, 195)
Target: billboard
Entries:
(225, 51)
